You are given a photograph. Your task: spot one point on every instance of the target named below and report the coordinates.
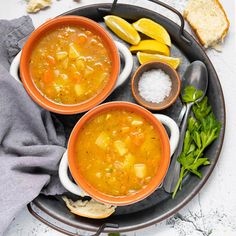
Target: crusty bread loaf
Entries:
(90, 209)
(208, 20)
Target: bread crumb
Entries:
(37, 5)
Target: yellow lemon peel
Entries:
(151, 46)
(153, 30)
(147, 57)
(122, 29)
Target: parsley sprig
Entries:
(191, 94)
(203, 128)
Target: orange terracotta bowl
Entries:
(153, 184)
(28, 83)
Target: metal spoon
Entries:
(181, 115)
(196, 75)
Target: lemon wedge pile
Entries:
(156, 48)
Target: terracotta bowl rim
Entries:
(141, 194)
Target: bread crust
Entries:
(89, 208)
(195, 29)
(227, 19)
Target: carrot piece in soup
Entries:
(48, 77)
(138, 139)
(51, 60)
(82, 38)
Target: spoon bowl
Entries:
(196, 75)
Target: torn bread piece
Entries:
(208, 20)
(90, 209)
(36, 5)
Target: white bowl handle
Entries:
(128, 64)
(174, 131)
(65, 180)
(14, 68)
(124, 74)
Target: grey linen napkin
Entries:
(31, 140)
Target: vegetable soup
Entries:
(70, 65)
(118, 152)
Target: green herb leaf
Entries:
(210, 123)
(197, 139)
(114, 234)
(191, 94)
(187, 142)
(198, 153)
(179, 183)
(191, 124)
(186, 160)
(201, 109)
(210, 130)
(196, 172)
(199, 162)
(196, 164)
(192, 148)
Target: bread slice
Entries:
(208, 20)
(90, 209)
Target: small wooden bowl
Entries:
(175, 89)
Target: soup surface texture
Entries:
(70, 65)
(118, 152)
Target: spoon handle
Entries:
(181, 115)
(172, 176)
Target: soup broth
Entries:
(118, 152)
(70, 65)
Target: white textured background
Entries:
(213, 210)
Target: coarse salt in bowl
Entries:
(155, 85)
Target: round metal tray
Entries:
(159, 205)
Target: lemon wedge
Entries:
(151, 46)
(122, 29)
(153, 30)
(147, 57)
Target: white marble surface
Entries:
(213, 210)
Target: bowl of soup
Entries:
(70, 64)
(118, 153)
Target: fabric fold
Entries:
(32, 140)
